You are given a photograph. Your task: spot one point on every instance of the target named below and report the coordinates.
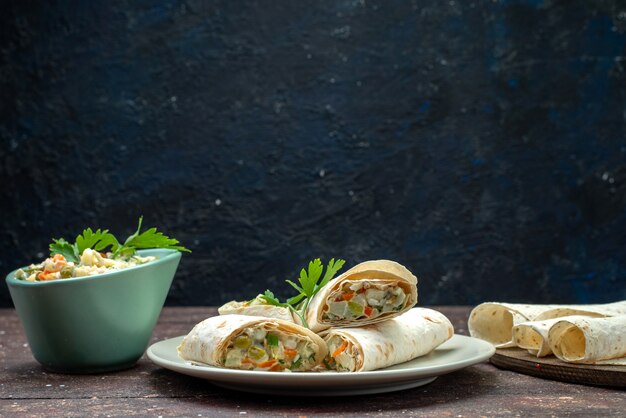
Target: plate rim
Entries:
(485, 351)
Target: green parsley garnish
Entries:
(272, 340)
(296, 364)
(102, 239)
(309, 286)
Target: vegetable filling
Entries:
(258, 348)
(91, 263)
(364, 300)
(86, 256)
(341, 355)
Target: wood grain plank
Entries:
(551, 367)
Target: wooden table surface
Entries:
(148, 390)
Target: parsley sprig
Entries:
(309, 285)
(102, 239)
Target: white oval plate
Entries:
(457, 353)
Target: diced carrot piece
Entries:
(368, 310)
(276, 368)
(340, 349)
(268, 363)
(289, 353)
(248, 361)
(348, 296)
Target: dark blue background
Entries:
(480, 143)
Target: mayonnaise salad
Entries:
(91, 263)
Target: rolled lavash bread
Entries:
(258, 307)
(370, 292)
(494, 321)
(533, 336)
(253, 343)
(582, 339)
(414, 333)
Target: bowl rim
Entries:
(168, 254)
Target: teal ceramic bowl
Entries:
(97, 323)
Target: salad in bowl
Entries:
(86, 257)
(92, 305)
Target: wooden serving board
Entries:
(550, 367)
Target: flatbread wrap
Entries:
(253, 343)
(533, 336)
(414, 333)
(494, 321)
(581, 339)
(370, 292)
(258, 307)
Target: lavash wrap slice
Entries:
(208, 340)
(494, 321)
(376, 272)
(415, 333)
(257, 307)
(586, 340)
(533, 336)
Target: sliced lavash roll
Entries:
(413, 334)
(581, 339)
(494, 321)
(533, 336)
(258, 307)
(370, 292)
(253, 343)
